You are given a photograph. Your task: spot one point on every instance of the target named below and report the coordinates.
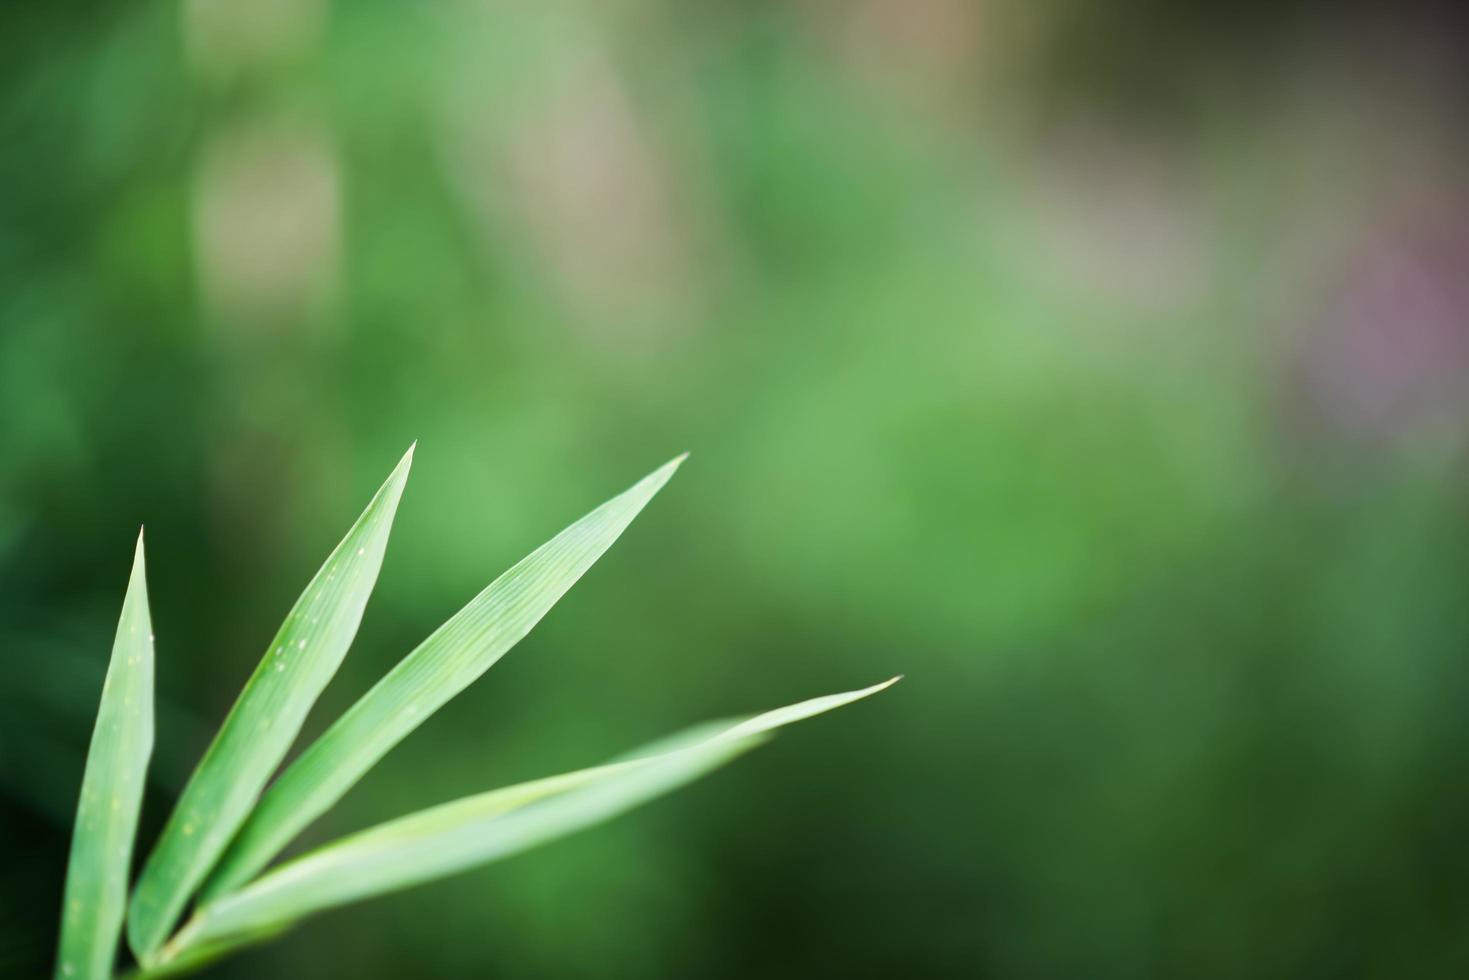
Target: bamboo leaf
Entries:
(263, 722)
(460, 835)
(443, 665)
(112, 794)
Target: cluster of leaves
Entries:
(227, 826)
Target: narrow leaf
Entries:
(112, 794)
(263, 722)
(443, 665)
(460, 835)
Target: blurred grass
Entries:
(1103, 371)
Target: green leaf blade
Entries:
(264, 721)
(111, 796)
(452, 658)
(469, 832)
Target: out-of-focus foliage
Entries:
(1100, 366)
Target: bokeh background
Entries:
(1101, 366)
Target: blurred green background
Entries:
(1100, 366)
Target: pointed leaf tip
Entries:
(771, 720)
(405, 462)
(665, 472)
